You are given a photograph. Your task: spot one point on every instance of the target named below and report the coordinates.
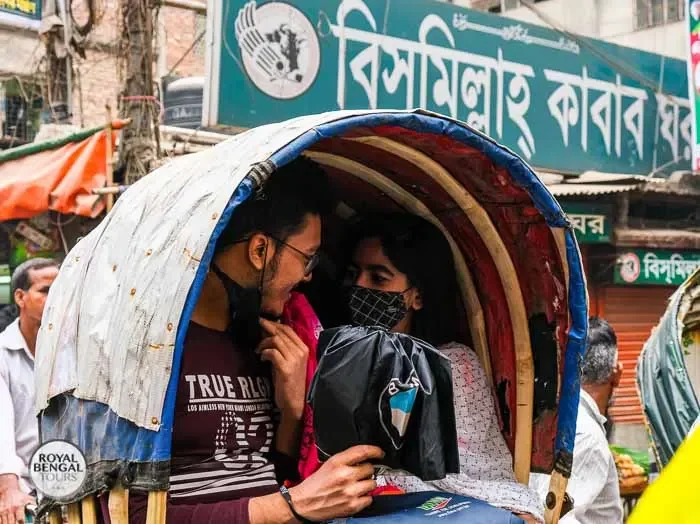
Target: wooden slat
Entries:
(55, 516)
(119, 505)
(557, 489)
(74, 513)
(89, 510)
(157, 505)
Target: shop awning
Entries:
(57, 175)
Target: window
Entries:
(20, 112)
(651, 13)
(509, 5)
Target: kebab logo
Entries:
(630, 267)
(280, 49)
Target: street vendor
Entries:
(241, 389)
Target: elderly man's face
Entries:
(31, 302)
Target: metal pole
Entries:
(67, 32)
(110, 156)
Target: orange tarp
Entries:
(59, 179)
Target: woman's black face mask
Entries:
(371, 307)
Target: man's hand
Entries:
(12, 500)
(288, 355)
(340, 487)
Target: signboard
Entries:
(5, 280)
(562, 104)
(693, 20)
(663, 268)
(591, 222)
(21, 13)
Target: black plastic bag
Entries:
(386, 389)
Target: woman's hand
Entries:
(527, 518)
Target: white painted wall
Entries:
(610, 20)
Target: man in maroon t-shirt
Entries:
(241, 387)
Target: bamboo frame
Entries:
(560, 239)
(408, 201)
(55, 516)
(157, 505)
(555, 498)
(118, 504)
(74, 513)
(525, 370)
(89, 510)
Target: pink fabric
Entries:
(300, 316)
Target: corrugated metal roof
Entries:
(590, 189)
(597, 177)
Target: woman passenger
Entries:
(401, 277)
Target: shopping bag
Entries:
(385, 389)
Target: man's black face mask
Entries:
(245, 310)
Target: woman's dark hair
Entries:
(279, 208)
(419, 250)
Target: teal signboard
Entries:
(563, 104)
(663, 268)
(591, 222)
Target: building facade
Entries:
(179, 52)
(657, 26)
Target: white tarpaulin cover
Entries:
(112, 315)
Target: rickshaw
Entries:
(114, 325)
(669, 397)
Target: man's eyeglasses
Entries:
(311, 260)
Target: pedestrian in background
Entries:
(19, 431)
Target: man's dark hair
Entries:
(419, 250)
(279, 208)
(600, 358)
(21, 277)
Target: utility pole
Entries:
(59, 79)
(137, 101)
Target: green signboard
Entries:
(591, 222)
(30, 9)
(663, 268)
(5, 280)
(560, 103)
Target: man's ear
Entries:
(19, 297)
(617, 374)
(258, 249)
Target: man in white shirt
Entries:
(593, 484)
(19, 431)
